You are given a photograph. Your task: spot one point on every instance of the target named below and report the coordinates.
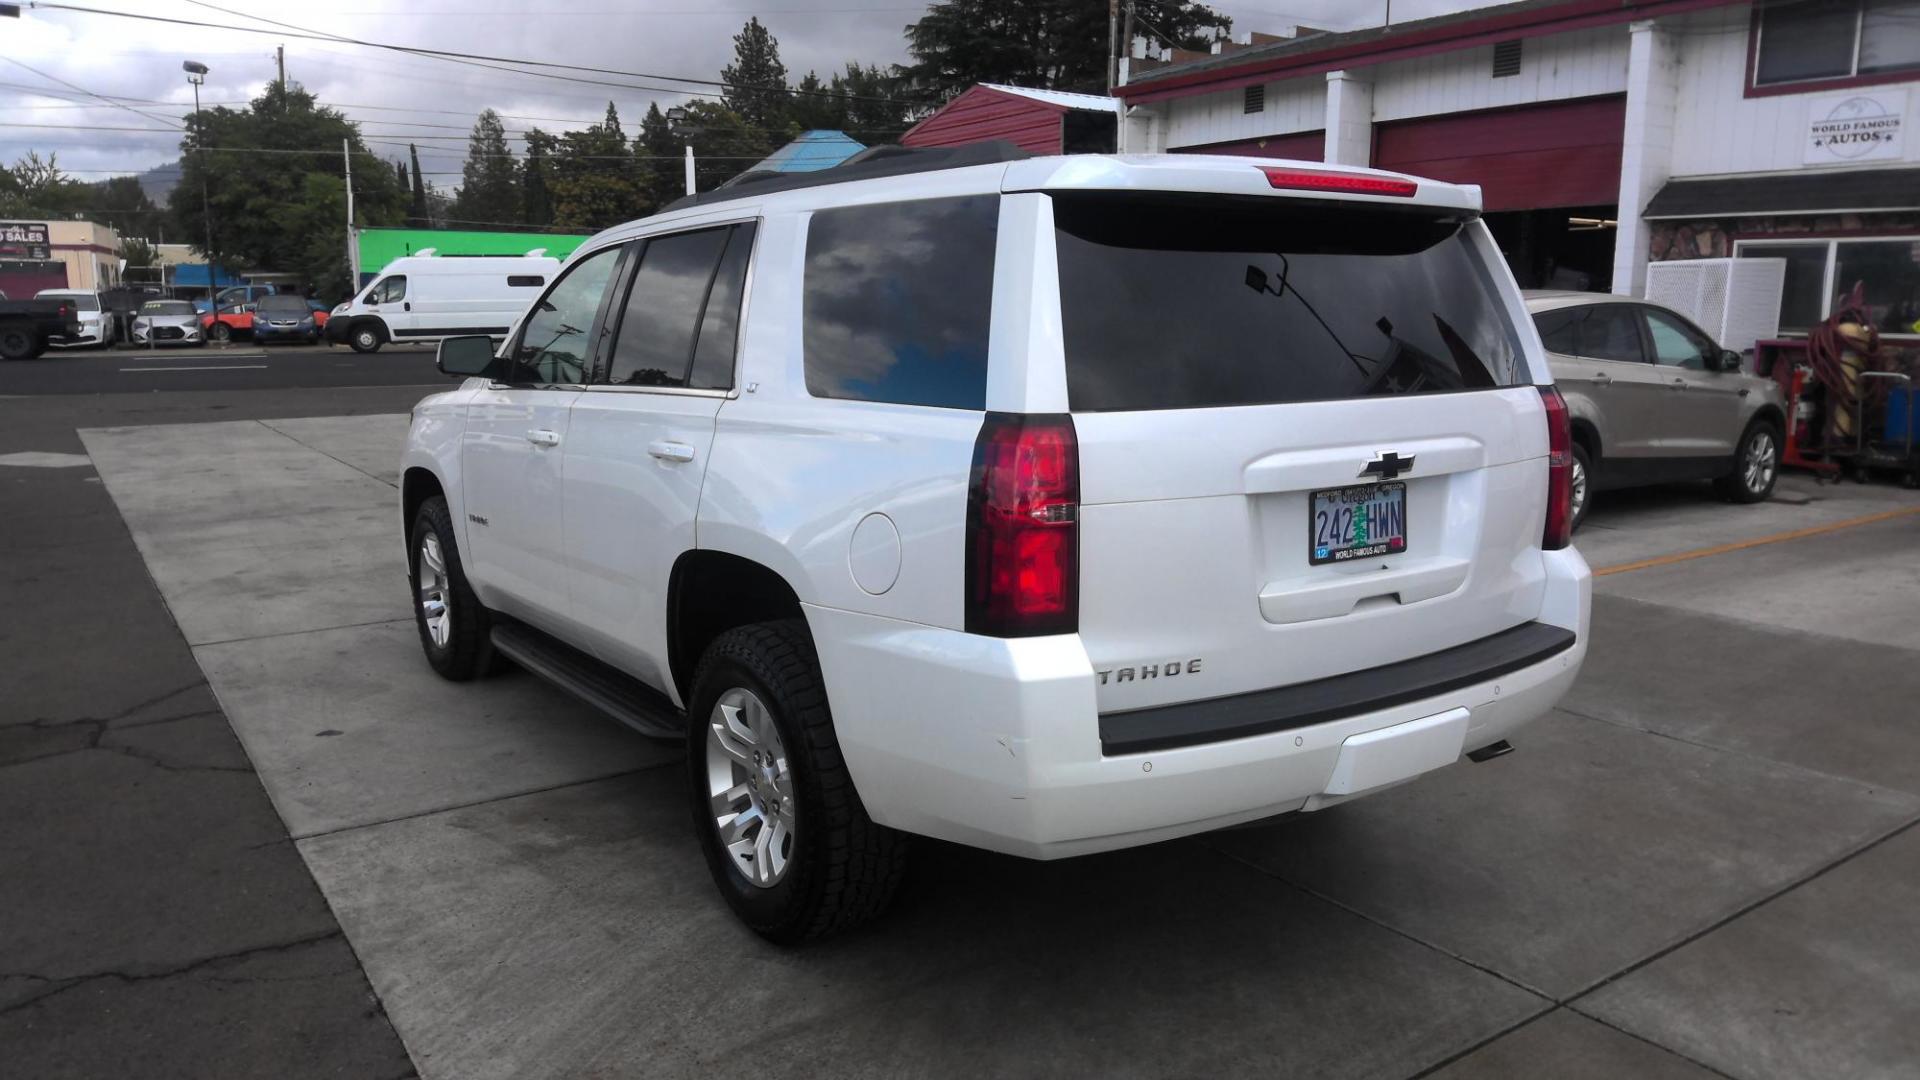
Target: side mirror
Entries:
(1729, 360)
(469, 355)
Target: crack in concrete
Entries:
(101, 730)
(43, 722)
(299, 442)
(70, 982)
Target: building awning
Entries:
(1870, 190)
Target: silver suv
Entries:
(1656, 400)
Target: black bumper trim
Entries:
(1261, 712)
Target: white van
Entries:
(97, 327)
(426, 297)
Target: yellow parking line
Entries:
(1741, 545)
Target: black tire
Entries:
(467, 651)
(20, 343)
(220, 333)
(367, 336)
(1748, 482)
(842, 868)
(1582, 485)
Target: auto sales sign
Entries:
(1855, 126)
(24, 240)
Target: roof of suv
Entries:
(998, 167)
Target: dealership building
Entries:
(1604, 134)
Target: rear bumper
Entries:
(997, 743)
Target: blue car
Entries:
(284, 318)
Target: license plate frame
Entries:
(1319, 554)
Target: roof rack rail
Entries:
(869, 164)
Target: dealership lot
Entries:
(1702, 864)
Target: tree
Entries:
(418, 215)
(595, 183)
(138, 253)
(724, 144)
(659, 152)
(283, 210)
(34, 187)
(490, 178)
(122, 203)
(871, 103)
(756, 81)
(1044, 44)
(536, 196)
(815, 107)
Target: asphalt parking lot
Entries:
(1703, 864)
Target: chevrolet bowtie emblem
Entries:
(1387, 466)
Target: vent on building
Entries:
(1256, 100)
(1506, 58)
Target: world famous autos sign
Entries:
(1864, 125)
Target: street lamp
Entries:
(677, 116)
(197, 74)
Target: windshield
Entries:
(166, 307)
(1171, 303)
(282, 305)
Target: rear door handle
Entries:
(1678, 384)
(1602, 378)
(670, 451)
(543, 437)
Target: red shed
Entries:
(1041, 121)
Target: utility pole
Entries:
(280, 58)
(1113, 44)
(353, 249)
(1126, 37)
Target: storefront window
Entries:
(1820, 271)
(1803, 40)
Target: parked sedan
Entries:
(284, 317)
(1654, 399)
(167, 322)
(227, 322)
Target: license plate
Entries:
(1357, 523)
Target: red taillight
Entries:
(1559, 529)
(1023, 528)
(1352, 183)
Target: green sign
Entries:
(378, 247)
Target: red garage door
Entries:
(1530, 158)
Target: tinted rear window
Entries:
(897, 301)
(1180, 304)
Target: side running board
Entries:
(613, 692)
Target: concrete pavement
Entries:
(1701, 865)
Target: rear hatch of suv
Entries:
(1309, 440)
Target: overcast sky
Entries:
(398, 98)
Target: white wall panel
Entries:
(1292, 106)
(1556, 67)
(1718, 130)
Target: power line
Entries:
(480, 60)
(80, 89)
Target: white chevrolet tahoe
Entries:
(1046, 505)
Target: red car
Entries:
(228, 322)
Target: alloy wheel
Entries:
(436, 595)
(750, 789)
(1579, 499)
(1761, 461)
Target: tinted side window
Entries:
(1675, 344)
(1609, 332)
(720, 328)
(556, 340)
(1556, 330)
(663, 309)
(897, 301)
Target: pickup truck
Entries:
(27, 326)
